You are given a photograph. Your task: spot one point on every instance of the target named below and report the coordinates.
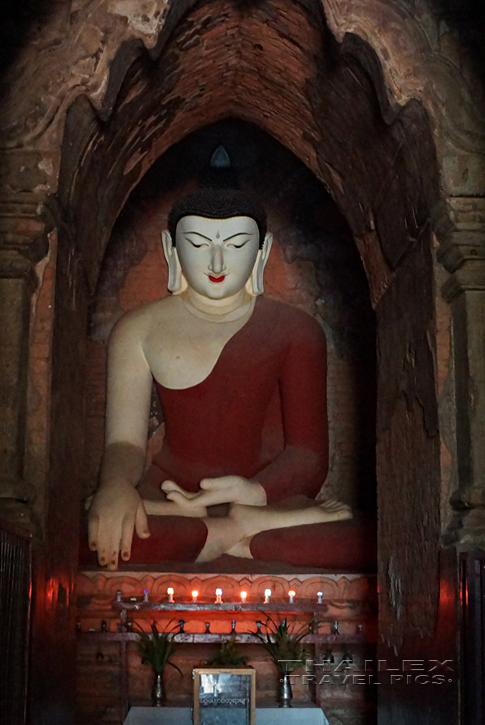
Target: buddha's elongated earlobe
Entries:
(255, 284)
(176, 280)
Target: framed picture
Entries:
(224, 695)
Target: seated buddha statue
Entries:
(242, 382)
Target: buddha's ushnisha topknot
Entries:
(218, 204)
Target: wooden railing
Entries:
(473, 636)
(15, 608)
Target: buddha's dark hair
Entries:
(218, 204)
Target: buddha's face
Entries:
(217, 256)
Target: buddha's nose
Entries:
(217, 260)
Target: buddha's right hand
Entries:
(115, 512)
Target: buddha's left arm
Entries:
(302, 466)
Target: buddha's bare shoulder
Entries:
(137, 324)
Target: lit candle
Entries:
(267, 596)
(291, 596)
(170, 592)
(319, 597)
(243, 597)
(145, 595)
(195, 594)
(218, 596)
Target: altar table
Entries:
(299, 714)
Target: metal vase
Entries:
(285, 693)
(158, 692)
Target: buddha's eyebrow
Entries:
(200, 235)
(239, 234)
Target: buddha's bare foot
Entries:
(241, 549)
(223, 536)
(254, 519)
(336, 510)
(171, 508)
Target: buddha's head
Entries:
(216, 244)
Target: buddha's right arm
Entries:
(117, 509)
(122, 464)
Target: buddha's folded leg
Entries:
(185, 539)
(168, 508)
(340, 545)
(299, 511)
(189, 539)
(172, 539)
(232, 535)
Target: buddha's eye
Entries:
(238, 246)
(202, 240)
(197, 246)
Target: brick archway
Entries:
(280, 68)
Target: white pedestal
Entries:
(299, 714)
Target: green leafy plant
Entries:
(156, 647)
(283, 643)
(228, 656)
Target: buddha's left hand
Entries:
(226, 489)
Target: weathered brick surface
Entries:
(38, 396)
(408, 450)
(195, 83)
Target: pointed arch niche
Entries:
(314, 264)
(273, 75)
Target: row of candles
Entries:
(218, 600)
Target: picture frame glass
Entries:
(224, 696)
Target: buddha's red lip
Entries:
(217, 279)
